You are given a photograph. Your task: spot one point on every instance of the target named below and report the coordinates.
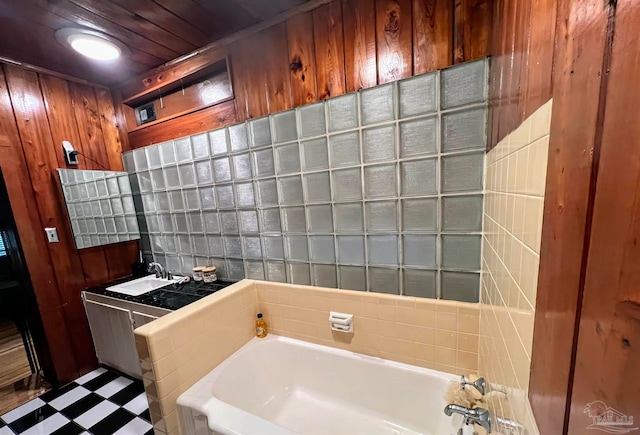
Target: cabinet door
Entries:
(112, 332)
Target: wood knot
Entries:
(629, 309)
(392, 24)
(296, 64)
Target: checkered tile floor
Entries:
(100, 403)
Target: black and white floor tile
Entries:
(102, 402)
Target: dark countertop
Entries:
(172, 297)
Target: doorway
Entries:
(25, 364)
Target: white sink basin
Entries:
(141, 285)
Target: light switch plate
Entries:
(52, 235)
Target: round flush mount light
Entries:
(92, 44)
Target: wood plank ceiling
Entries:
(155, 31)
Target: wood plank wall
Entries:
(608, 351)
(581, 54)
(522, 50)
(38, 112)
(348, 45)
(341, 47)
(574, 127)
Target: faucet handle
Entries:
(483, 418)
(479, 385)
(471, 416)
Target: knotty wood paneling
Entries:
(173, 72)
(581, 42)
(522, 50)
(79, 14)
(207, 119)
(165, 19)
(359, 20)
(41, 159)
(94, 266)
(338, 47)
(241, 84)
(109, 126)
(123, 119)
(432, 35)
(260, 9)
(261, 58)
(60, 112)
(43, 111)
(85, 108)
(246, 56)
(472, 28)
(586, 324)
(277, 69)
(521, 60)
(154, 31)
(34, 245)
(37, 46)
(608, 350)
(213, 88)
(302, 59)
(541, 43)
(115, 13)
(119, 258)
(154, 82)
(393, 36)
(79, 124)
(329, 48)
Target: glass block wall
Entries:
(379, 190)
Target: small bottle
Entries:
(261, 327)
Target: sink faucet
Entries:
(158, 269)
(476, 415)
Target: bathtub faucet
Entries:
(476, 415)
(478, 384)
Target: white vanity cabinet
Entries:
(112, 322)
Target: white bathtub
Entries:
(279, 385)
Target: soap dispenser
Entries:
(261, 327)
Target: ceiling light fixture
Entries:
(92, 44)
